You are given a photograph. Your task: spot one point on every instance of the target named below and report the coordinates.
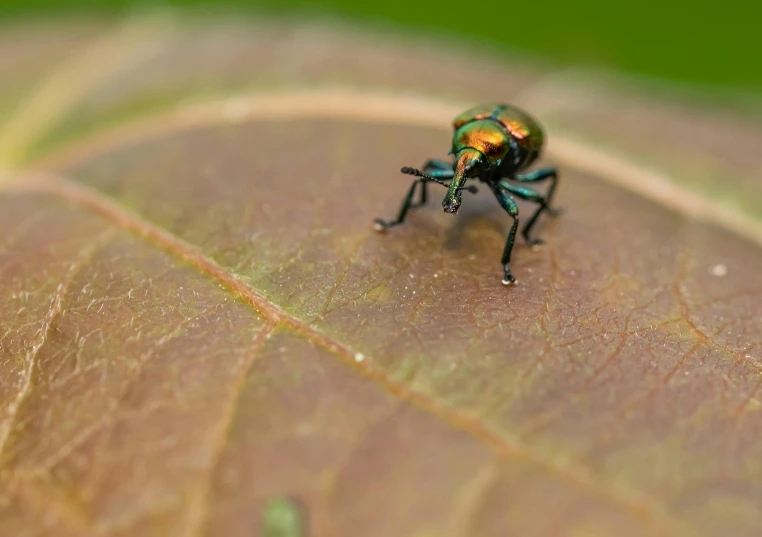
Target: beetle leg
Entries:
(433, 168)
(541, 175)
(381, 225)
(533, 196)
(507, 203)
(407, 203)
(436, 164)
(436, 174)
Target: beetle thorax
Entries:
(484, 135)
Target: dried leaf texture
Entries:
(197, 316)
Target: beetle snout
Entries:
(451, 205)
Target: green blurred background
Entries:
(705, 45)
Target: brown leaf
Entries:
(197, 316)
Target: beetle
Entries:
(493, 143)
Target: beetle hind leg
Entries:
(541, 175)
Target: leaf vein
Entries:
(198, 513)
(55, 309)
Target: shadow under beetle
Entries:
(492, 143)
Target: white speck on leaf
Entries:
(718, 270)
(359, 357)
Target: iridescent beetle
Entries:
(492, 143)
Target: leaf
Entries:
(197, 317)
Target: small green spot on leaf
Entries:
(282, 518)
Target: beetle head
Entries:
(468, 163)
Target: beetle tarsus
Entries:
(382, 225)
(533, 242)
(508, 278)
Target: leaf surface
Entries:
(197, 316)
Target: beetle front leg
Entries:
(382, 225)
(433, 167)
(407, 203)
(507, 203)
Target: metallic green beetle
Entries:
(492, 143)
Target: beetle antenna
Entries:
(418, 173)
